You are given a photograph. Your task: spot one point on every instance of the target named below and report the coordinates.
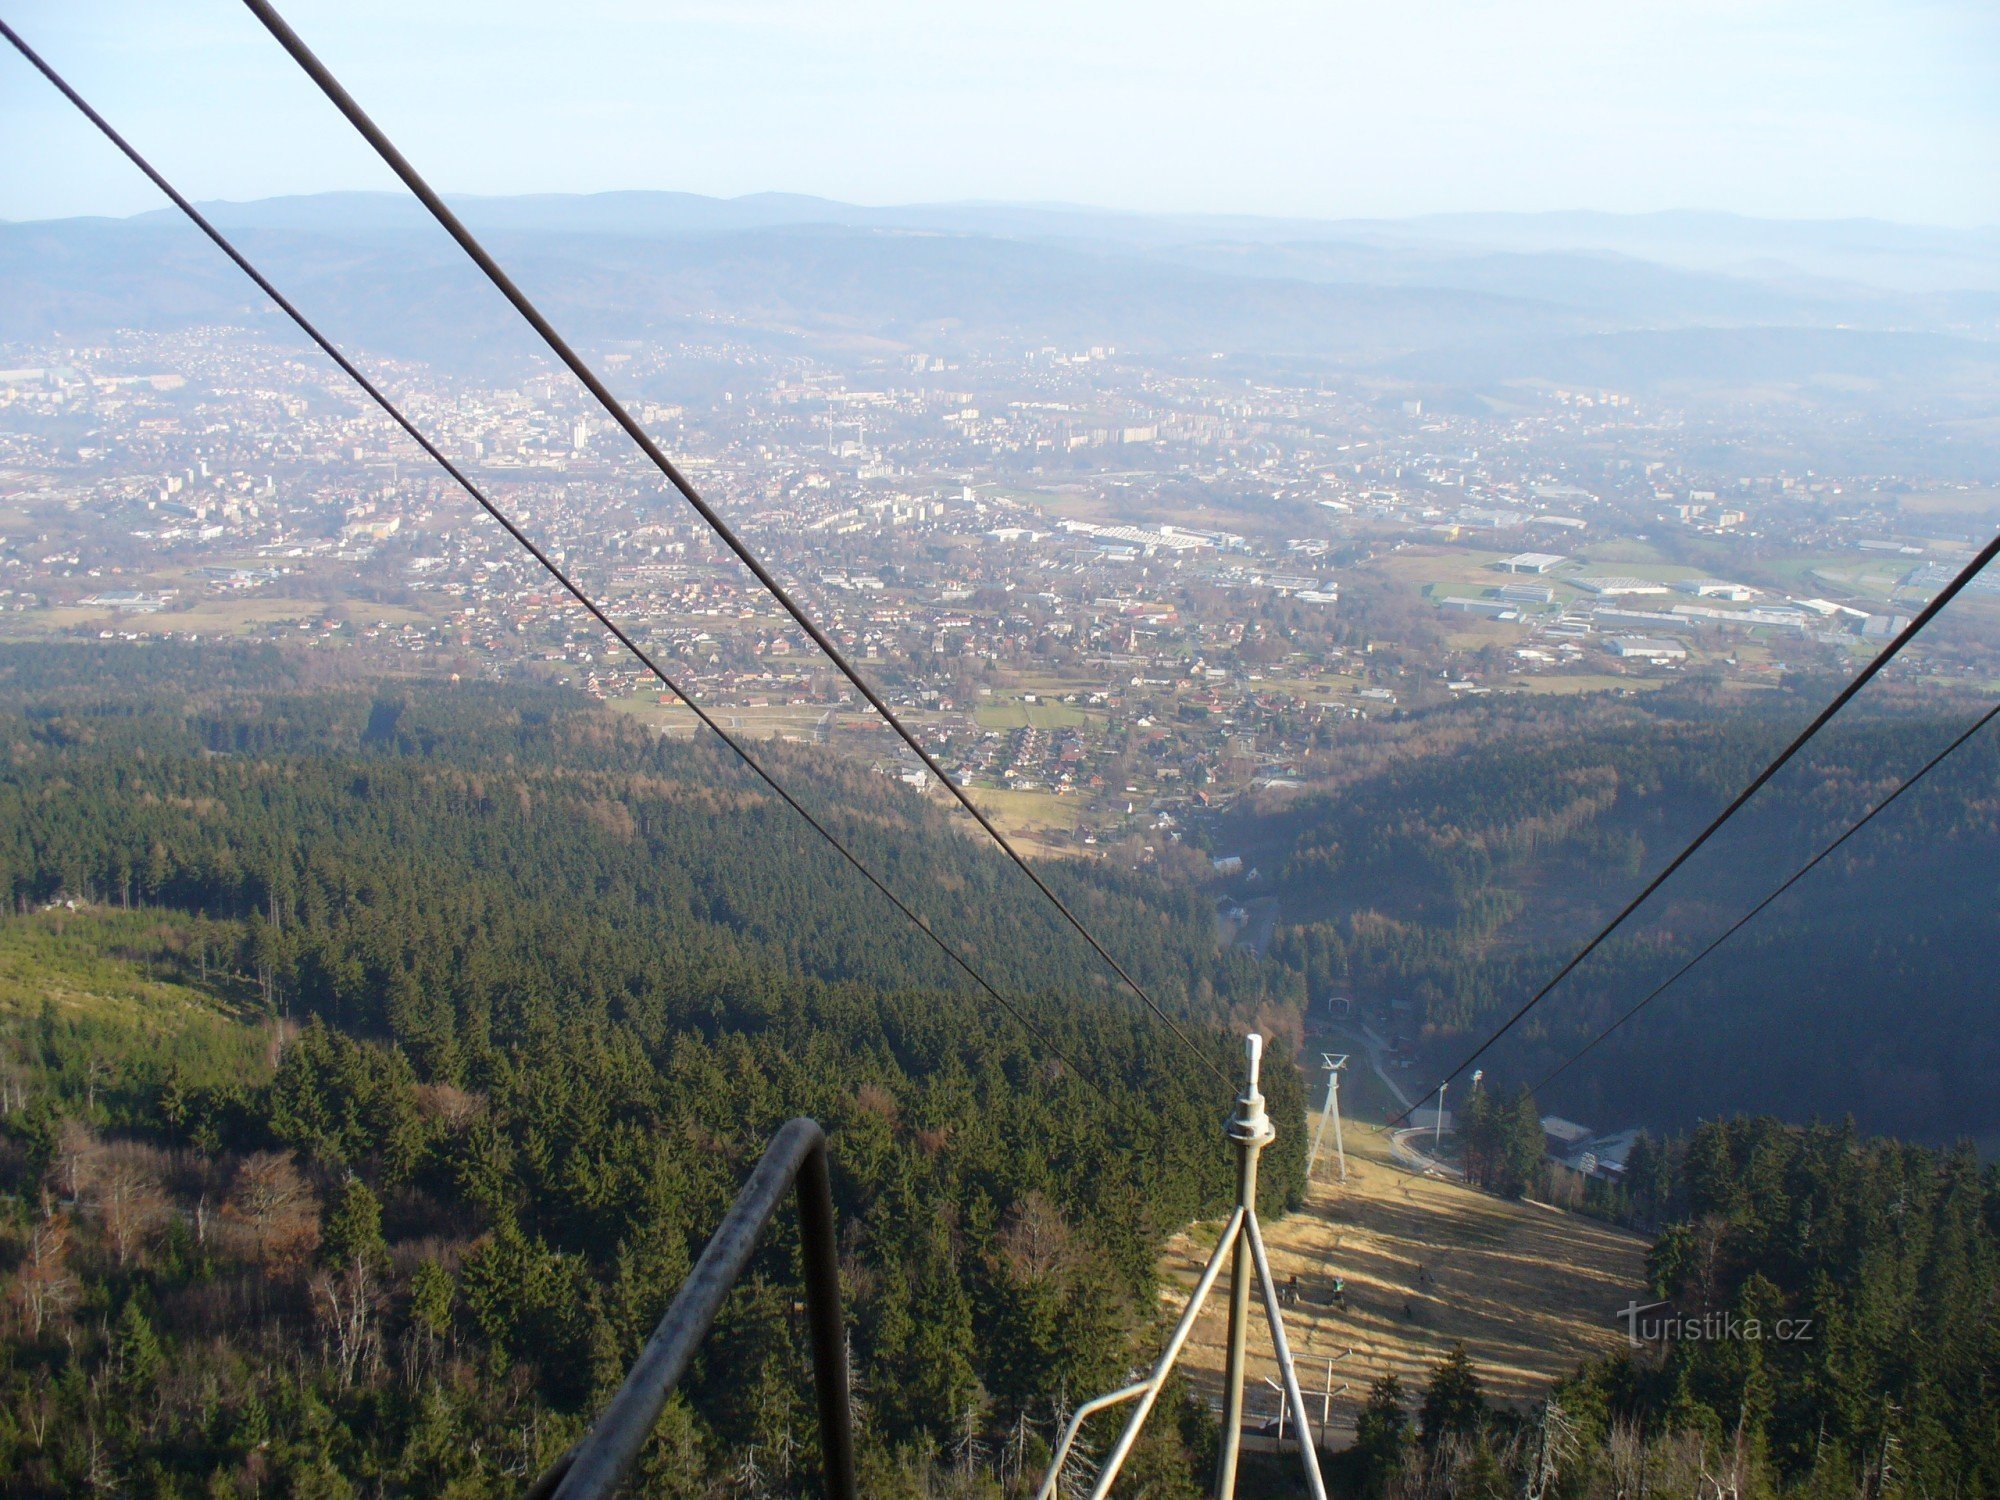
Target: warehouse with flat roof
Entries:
(1646, 648)
(1531, 562)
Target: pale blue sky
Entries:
(1322, 108)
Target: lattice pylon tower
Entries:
(1333, 1063)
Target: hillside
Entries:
(547, 985)
(1465, 305)
(1445, 869)
(94, 1005)
(1530, 1291)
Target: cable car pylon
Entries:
(1333, 1063)
(1250, 1129)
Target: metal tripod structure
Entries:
(1251, 1131)
(1333, 1065)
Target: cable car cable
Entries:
(1929, 766)
(615, 409)
(1820, 720)
(395, 414)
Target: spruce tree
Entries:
(1382, 1434)
(1453, 1405)
(351, 1232)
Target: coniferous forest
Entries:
(492, 1002)
(1456, 867)
(374, 1062)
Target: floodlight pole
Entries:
(1251, 1130)
(1333, 1097)
(1437, 1139)
(1326, 1401)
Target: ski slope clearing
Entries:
(1531, 1290)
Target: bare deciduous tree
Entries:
(124, 1191)
(276, 1207)
(43, 1284)
(76, 1146)
(1035, 1242)
(348, 1304)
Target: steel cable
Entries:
(1929, 766)
(1840, 700)
(343, 101)
(396, 415)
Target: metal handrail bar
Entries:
(1112, 1464)
(796, 1158)
(1083, 1413)
(1284, 1352)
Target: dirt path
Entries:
(1531, 1290)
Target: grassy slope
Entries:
(1532, 1291)
(90, 989)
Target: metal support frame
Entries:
(1333, 1066)
(1326, 1397)
(1083, 1413)
(1241, 1243)
(1310, 1458)
(1250, 1130)
(1158, 1378)
(796, 1158)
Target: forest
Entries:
(441, 1028)
(1827, 1325)
(1456, 869)
(374, 1061)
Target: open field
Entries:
(1482, 633)
(1844, 573)
(661, 710)
(1025, 817)
(1973, 502)
(1587, 682)
(808, 723)
(1532, 1291)
(1013, 713)
(211, 617)
(1437, 571)
(1631, 555)
(1054, 684)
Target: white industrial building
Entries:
(1612, 588)
(1716, 588)
(1646, 648)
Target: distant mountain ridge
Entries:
(408, 291)
(1868, 252)
(1469, 302)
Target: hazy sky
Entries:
(1323, 108)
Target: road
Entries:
(1259, 927)
(1403, 1146)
